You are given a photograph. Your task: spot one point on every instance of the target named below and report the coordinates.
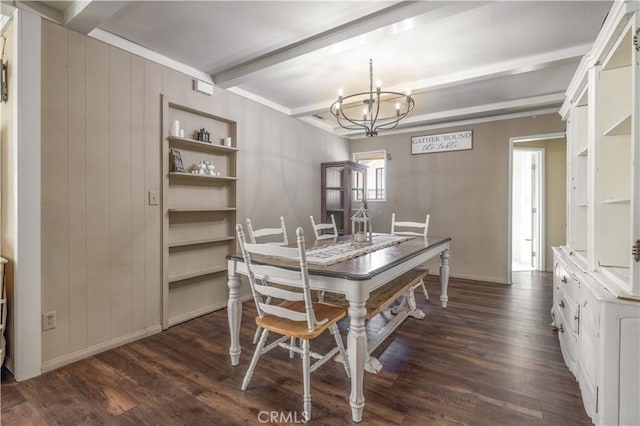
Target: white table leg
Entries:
(444, 277)
(357, 354)
(234, 313)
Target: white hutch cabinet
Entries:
(596, 294)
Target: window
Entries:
(376, 180)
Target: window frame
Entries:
(378, 154)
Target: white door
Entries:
(527, 209)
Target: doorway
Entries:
(527, 194)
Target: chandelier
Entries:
(379, 111)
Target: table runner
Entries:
(339, 252)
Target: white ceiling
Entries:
(460, 59)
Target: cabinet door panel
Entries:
(629, 371)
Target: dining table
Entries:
(355, 277)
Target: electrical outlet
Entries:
(48, 320)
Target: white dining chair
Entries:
(415, 229)
(268, 233)
(324, 231)
(296, 316)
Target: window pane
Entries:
(375, 161)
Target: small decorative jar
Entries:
(203, 135)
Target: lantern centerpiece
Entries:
(361, 226)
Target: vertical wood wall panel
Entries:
(77, 194)
(152, 167)
(138, 196)
(98, 193)
(55, 192)
(120, 190)
(102, 241)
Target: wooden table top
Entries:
(359, 268)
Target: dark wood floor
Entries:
(491, 358)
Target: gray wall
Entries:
(465, 192)
(101, 245)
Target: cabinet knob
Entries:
(576, 317)
(564, 279)
(561, 304)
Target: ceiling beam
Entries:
(473, 75)
(40, 9)
(463, 122)
(85, 15)
(516, 105)
(430, 12)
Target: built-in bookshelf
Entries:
(199, 213)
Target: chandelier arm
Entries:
(384, 126)
(371, 92)
(357, 125)
(374, 120)
(393, 123)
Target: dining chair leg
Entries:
(256, 336)
(306, 397)
(333, 329)
(254, 360)
(292, 343)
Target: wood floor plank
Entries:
(490, 358)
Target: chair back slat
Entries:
(418, 226)
(271, 250)
(274, 273)
(322, 226)
(297, 280)
(280, 293)
(283, 312)
(254, 234)
(318, 229)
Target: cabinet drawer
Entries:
(568, 345)
(568, 309)
(570, 286)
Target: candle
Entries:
(175, 128)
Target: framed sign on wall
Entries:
(456, 141)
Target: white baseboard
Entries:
(203, 311)
(197, 313)
(101, 347)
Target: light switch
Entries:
(153, 198)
